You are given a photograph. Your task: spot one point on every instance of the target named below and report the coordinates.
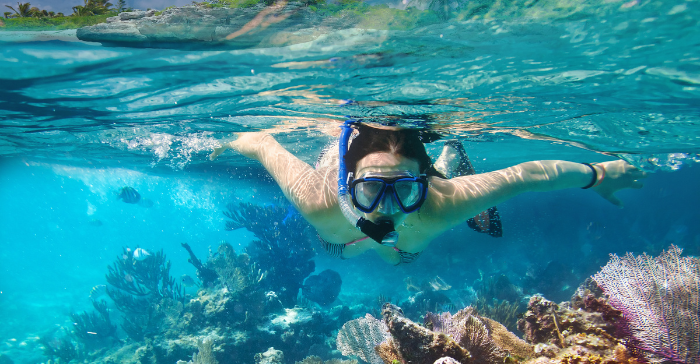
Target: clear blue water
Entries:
(78, 121)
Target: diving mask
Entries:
(383, 189)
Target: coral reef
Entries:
(204, 355)
(498, 299)
(359, 337)
(413, 343)
(660, 303)
(463, 338)
(93, 329)
(235, 271)
(575, 333)
(206, 275)
(271, 356)
(282, 249)
(60, 347)
(143, 290)
(316, 360)
(135, 284)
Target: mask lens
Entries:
(408, 192)
(367, 192)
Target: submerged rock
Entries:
(271, 356)
(323, 288)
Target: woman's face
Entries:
(386, 162)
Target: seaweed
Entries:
(282, 249)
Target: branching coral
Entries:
(205, 354)
(95, 327)
(132, 281)
(235, 271)
(660, 302)
(59, 347)
(138, 288)
(206, 275)
(283, 248)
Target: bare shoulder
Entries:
(321, 202)
(450, 202)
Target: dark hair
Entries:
(404, 142)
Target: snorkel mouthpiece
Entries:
(383, 232)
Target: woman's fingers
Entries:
(614, 200)
(221, 149)
(217, 152)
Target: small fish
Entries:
(95, 222)
(187, 281)
(129, 195)
(98, 291)
(141, 254)
(128, 278)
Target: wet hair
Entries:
(404, 142)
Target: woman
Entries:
(398, 197)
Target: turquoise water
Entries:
(80, 120)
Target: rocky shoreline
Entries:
(198, 26)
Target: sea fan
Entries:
(660, 301)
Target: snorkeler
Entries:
(381, 191)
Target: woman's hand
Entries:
(618, 175)
(248, 144)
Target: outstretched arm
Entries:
(460, 198)
(306, 188)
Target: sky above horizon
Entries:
(66, 6)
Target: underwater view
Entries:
(161, 172)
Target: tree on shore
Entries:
(93, 7)
(24, 10)
(121, 6)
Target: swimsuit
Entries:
(336, 250)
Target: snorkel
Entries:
(384, 232)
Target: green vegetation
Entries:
(26, 17)
(57, 23)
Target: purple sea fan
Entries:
(660, 302)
